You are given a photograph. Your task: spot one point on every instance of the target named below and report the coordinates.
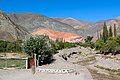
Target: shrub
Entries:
(59, 45)
(112, 45)
(6, 46)
(88, 39)
(39, 45)
(99, 44)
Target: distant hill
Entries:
(97, 26)
(91, 28)
(15, 26)
(54, 35)
(9, 31)
(77, 24)
(32, 22)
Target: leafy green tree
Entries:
(3, 46)
(110, 31)
(112, 45)
(105, 33)
(10, 47)
(99, 43)
(6, 46)
(115, 31)
(88, 39)
(18, 46)
(117, 49)
(39, 45)
(117, 39)
(59, 45)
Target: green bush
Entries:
(99, 44)
(88, 39)
(59, 45)
(88, 42)
(112, 45)
(6, 46)
(39, 45)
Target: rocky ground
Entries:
(101, 67)
(79, 73)
(87, 65)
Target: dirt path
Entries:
(81, 73)
(60, 63)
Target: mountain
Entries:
(91, 28)
(9, 31)
(118, 30)
(77, 24)
(99, 25)
(54, 35)
(33, 21)
(96, 27)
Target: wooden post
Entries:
(5, 61)
(34, 66)
(26, 63)
(38, 59)
(35, 61)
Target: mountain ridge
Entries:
(69, 24)
(9, 31)
(31, 22)
(34, 21)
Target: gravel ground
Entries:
(27, 75)
(59, 63)
(108, 63)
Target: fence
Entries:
(18, 63)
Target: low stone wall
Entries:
(60, 71)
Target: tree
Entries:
(101, 36)
(99, 43)
(39, 45)
(3, 45)
(110, 31)
(115, 31)
(18, 46)
(88, 39)
(110, 46)
(117, 39)
(105, 33)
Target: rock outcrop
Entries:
(32, 22)
(54, 35)
(9, 31)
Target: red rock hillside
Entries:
(53, 35)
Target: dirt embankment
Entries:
(101, 67)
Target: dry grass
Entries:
(99, 76)
(12, 63)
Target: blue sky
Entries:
(89, 10)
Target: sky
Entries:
(88, 10)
